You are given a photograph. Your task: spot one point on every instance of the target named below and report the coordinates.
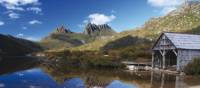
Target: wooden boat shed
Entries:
(173, 51)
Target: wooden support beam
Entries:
(151, 79)
(161, 52)
(175, 52)
(163, 57)
(152, 63)
(162, 80)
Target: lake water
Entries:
(41, 78)
(50, 77)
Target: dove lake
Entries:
(34, 75)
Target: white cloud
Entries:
(35, 22)
(113, 11)
(13, 15)
(20, 35)
(1, 23)
(2, 85)
(166, 5)
(99, 19)
(17, 4)
(166, 10)
(24, 28)
(37, 10)
(32, 38)
(163, 3)
(85, 21)
(81, 25)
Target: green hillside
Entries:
(136, 44)
(11, 46)
(63, 38)
(66, 40)
(185, 19)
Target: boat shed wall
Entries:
(185, 56)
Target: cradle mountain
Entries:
(138, 41)
(64, 37)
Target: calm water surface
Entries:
(51, 77)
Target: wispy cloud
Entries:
(113, 11)
(15, 7)
(32, 38)
(1, 23)
(36, 10)
(2, 85)
(35, 22)
(20, 35)
(17, 4)
(166, 5)
(167, 10)
(24, 28)
(13, 15)
(98, 19)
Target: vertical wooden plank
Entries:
(163, 56)
(152, 79)
(162, 80)
(152, 63)
(178, 61)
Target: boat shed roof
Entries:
(184, 41)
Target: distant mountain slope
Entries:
(63, 38)
(10, 45)
(185, 19)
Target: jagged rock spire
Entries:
(62, 29)
(98, 30)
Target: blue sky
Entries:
(35, 19)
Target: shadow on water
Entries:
(11, 64)
(24, 74)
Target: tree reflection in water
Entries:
(55, 76)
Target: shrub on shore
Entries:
(193, 68)
(85, 60)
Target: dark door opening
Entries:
(171, 60)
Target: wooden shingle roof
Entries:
(184, 41)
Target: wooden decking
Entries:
(165, 71)
(137, 63)
(137, 66)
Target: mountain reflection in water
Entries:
(44, 76)
(37, 78)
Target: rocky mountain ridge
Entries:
(64, 37)
(62, 29)
(184, 19)
(98, 30)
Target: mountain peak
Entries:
(62, 29)
(98, 30)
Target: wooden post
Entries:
(152, 63)
(162, 80)
(163, 56)
(151, 79)
(175, 52)
(164, 52)
(178, 60)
